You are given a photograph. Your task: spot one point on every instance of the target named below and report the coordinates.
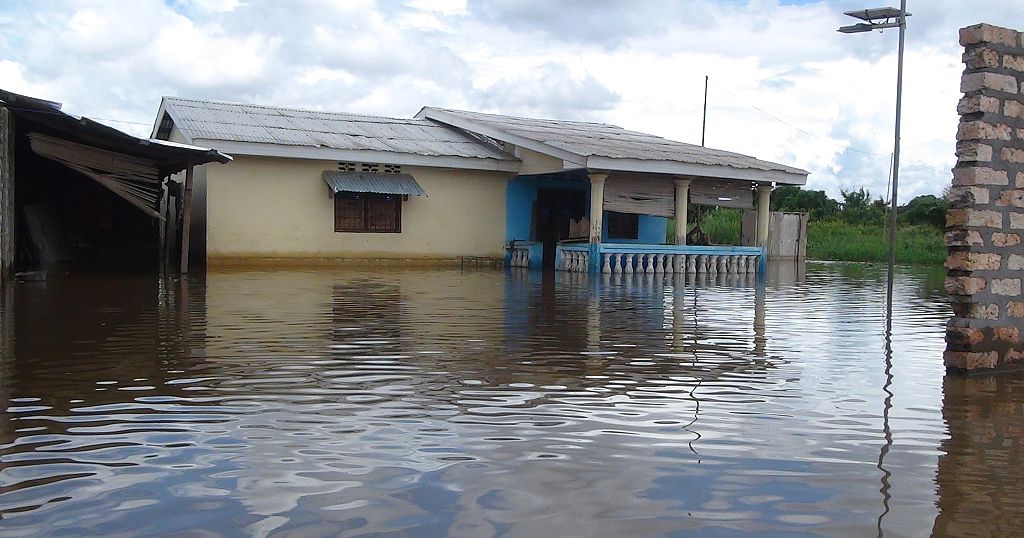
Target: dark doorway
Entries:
(554, 210)
(69, 220)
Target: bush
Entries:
(926, 209)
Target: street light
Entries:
(878, 19)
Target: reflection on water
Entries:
(335, 402)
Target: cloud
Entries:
(549, 90)
(785, 85)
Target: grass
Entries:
(838, 241)
(834, 240)
(722, 226)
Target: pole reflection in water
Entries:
(341, 402)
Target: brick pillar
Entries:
(986, 216)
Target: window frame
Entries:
(366, 198)
(618, 222)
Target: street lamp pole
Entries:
(877, 19)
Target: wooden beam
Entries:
(8, 215)
(186, 218)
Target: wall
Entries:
(787, 234)
(263, 207)
(986, 216)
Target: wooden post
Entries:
(682, 197)
(186, 218)
(8, 215)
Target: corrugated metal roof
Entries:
(599, 139)
(169, 157)
(381, 183)
(212, 120)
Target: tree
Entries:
(859, 208)
(816, 203)
(925, 209)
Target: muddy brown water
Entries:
(480, 403)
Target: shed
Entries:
(75, 190)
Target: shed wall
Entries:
(261, 207)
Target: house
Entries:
(77, 191)
(448, 185)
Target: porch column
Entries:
(764, 194)
(596, 206)
(596, 222)
(682, 196)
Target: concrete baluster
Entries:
(691, 264)
(607, 266)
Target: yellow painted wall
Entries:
(262, 207)
(538, 163)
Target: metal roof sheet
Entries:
(212, 120)
(381, 183)
(599, 139)
(169, 157)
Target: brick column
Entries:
(986, 216)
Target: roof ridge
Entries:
(455, 110)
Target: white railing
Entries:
(682, 259)
(520, 257)
(573, 258)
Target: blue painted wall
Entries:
(519, 198)
(651, 231)
(522, 192)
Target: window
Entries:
(623, 225)
(367, 212)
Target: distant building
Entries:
(446, 185)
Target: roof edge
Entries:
(699, 170)
(260, 149)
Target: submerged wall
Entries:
(986, 216)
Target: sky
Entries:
(783, 84)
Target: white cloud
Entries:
(784, 85)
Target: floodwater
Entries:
(331, 402)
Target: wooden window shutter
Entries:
(348, 212)
(383, 213)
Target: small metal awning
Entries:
(381, 183)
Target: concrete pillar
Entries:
(596, 206)
(682, 197)
(764, 194)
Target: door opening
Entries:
(555, 210)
